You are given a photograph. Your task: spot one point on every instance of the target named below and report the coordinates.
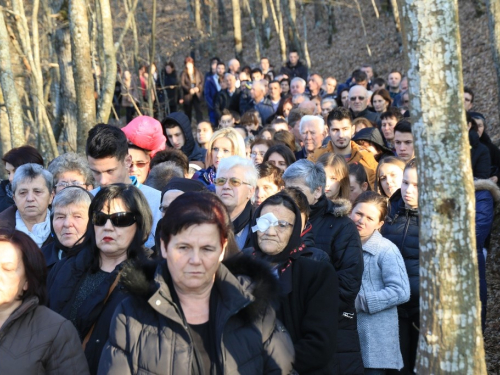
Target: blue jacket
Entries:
(385, 285)
(210, 91)
(265, 109)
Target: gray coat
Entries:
(385, 285)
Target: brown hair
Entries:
(361, 120)
(340, 169)
(387, 160)
(384, 94)
(285, 137)
(375, 199)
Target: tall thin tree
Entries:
(238, 39)
(450, 340)
(493, 8)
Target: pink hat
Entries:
(147, 133)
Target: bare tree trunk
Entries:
(397, 20)
(278, 19)
(266, 24)
(221, 11)
(258, 40)
(10, 98)
(5, 138)
(450, 339)
(197, 15)
(238, 41)
(304, 21)
(210, 34)
(291, 14)
(108, 48)
(151, 86)
(69, 107)
(82, 70)
(128, 22)
(332, 28)
(493, 8)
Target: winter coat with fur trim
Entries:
(149, 333)
(336, 234)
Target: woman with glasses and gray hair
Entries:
(71, 169)
(69, 220)
(32, 194)
(85, 287)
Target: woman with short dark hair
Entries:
(85, 288)
(192, 314)
(33, 339)
(13, 159)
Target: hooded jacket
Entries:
(35, 340)
(190, 148)
(335, 233)
(358, 155)
(374, 136)
(149, 333)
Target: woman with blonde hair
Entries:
(223, 144)
(337, 176)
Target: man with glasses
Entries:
(70, 169)
(235, 184)
(358, 103)
(110, 162)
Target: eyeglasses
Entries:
(233, 181)
(360, 98)
(65, 184)
(118, 219)
(139, 164)
(254, 153)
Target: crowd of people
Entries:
(278, 234)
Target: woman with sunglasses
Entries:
(85, 288)
(200, 310)
(310, 288)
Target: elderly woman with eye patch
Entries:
(308, 306)
(85, 287)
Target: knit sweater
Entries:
(385, 285)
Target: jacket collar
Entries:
(29, 304)
(372, 245)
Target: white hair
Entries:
(300, 80)
(320, 123)
(251, 173)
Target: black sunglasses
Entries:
(118, 219)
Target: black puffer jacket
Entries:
(5, 195)
(480, 157)
(401, 228)
(298, 70)
(149, 333)
(337, 235)
(190, 148)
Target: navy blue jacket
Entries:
(401, 228)
(210, 91)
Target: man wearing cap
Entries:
(341, 131)
(110, 162)
(145, 138)
(177, 128)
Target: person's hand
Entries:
(181, 101)
(191, 91)
(494, 179)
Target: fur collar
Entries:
(490, 186)
(255, 278)
(341, 207)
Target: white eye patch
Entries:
(264, 222)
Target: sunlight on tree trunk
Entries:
(493, 7)
(82, 70)
(450, 339)
(238, 41)
(10, 96)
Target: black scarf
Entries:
(243, 219)
(67, 251)
(293, 250)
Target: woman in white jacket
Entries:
(384, 286)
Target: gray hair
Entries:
(162, 173)
(227, 75)
(313, 175)
(71, 195)
(261, 85)
(298, 79)
(311, 118)
(251, 173)
(329, 100)
(71, 162)
(29, 172)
